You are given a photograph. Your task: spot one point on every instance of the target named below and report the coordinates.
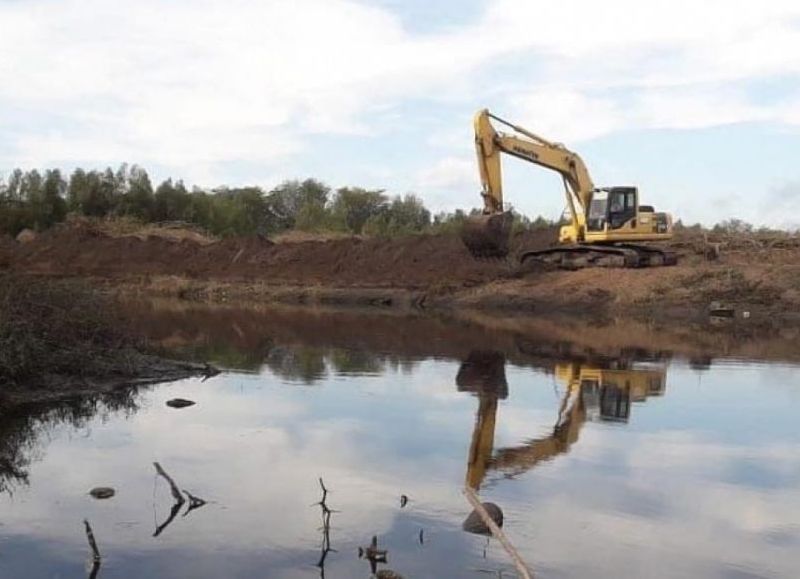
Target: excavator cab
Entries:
(618, 207)
(612, 206)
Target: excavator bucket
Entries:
(483, 373)
(488, 235)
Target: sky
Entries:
(696, 103)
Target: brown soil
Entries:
(411, 262)
(757, 275)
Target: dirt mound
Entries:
(7, 248)
(419, 261)
(127, 227)
(434, 270)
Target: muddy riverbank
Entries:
(758, 278)
(61, 340)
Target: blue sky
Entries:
(697, 103)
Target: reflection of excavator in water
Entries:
(607, 225)
(592, 393)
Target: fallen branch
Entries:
(497, 533)
(173, 512)
(92, 543)
(194, 502)
(326, 529)
(95, 568)
(176, 492)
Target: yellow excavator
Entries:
(592, 392)
(607, 225)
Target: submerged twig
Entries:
(92, 543)
(194, 502)
(173, 512)
(498, 534)
(326, 529)
(96, 558)
(176, 492)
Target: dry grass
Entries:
(294, 236)
(57, 328)
(128, 227)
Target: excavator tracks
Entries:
(578, 256)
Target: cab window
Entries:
(621, 208)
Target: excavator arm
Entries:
(513, 461)
(490, 143)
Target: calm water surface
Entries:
(625, 463)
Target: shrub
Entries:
(49, 328)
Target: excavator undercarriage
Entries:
(613, 255)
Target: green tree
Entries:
(402, 216)
(91, 193)
(138, 201)
(352, 207)
(291, 198)
(14, 185)
(52, 207)
(14, 214)
(449, 223)
(733, 227)
(171, 202)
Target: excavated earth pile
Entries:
(755, 277)
(411, 262)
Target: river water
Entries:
(623, 452)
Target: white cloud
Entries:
(573, 116)
(564, 114)
(197, 86)
(449, 173)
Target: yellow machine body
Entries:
(602, 216)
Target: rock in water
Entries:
(474, 523)
(179, 403)
(102, 492)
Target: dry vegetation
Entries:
(49, 328)
(129, 227)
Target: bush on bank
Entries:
(58, 328)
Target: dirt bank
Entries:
(753, 275)
(141, 370)
(62, 340)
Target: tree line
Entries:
(38, 200)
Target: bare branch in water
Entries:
(96, 558)
(326, 529)
(176, 492)
(194, 502)
(92, 543)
